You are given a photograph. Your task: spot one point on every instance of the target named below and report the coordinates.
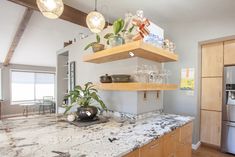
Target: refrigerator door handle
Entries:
(230, 124)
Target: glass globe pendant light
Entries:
(51, 9)
(95, 20)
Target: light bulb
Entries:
(95, 21)
(50, 4)
(51, 8)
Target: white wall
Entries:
(187, 37)
(130, 102)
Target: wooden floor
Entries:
(204, 151)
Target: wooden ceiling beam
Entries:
(21, 28)
(70, 14)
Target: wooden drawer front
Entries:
(133, 154)
(153, 149)
(171, 141)
(186, 133)
(211, 95)
(210, 127)
(229, 52)
(212, 59)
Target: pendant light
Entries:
(51, 9)
(95, 20)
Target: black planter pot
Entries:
(87, 113)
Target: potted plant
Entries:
(85, 99)
(96, 46)
(115, 38)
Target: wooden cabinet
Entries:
(229, 52)
(210, 127)
(212, 59)
(211, 94)
(153, 149)
(170, 143)
(184, 147)
(177, 143)
(133, 154)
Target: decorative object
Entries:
(115, 38)
(95, 20)
(144, 29)
(187, 79)
(96, 46)
(106, 79)
(85, 97)
(128, 28)
(166, 44)
(121, 78)
(68, 43)
(72, 75)
(71, 118)
(51, 9)
(172, 47)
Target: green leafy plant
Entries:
(118, 26)
(93, 43)
(84, 97)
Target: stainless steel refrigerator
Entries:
(228, 111)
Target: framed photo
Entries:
(72, 73)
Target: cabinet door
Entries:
(211, 95)
(184, 148)
(154, 149)
(229, 52)
(171, 141)
(133, 154)
(211, 127)
(212, 59)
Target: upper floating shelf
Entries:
(138, 48)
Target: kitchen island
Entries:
(49, 136)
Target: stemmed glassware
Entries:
(151, 74)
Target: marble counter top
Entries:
(48, 136)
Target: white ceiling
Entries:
(161, 11)
(41, 39)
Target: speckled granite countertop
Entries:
(48, 136)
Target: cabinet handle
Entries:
(154, 146)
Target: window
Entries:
(31, 86)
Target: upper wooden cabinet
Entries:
(210, 127)
(211, 94)
(229, 52)
(212, 59)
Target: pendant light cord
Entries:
(95, 5)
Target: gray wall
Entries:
(187, 37)
(130, 102)
(7, 108)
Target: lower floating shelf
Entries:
(135, 86)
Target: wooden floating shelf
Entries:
(138, 48)
(135, 86)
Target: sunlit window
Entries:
(31, 86)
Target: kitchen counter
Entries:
(46, 136)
